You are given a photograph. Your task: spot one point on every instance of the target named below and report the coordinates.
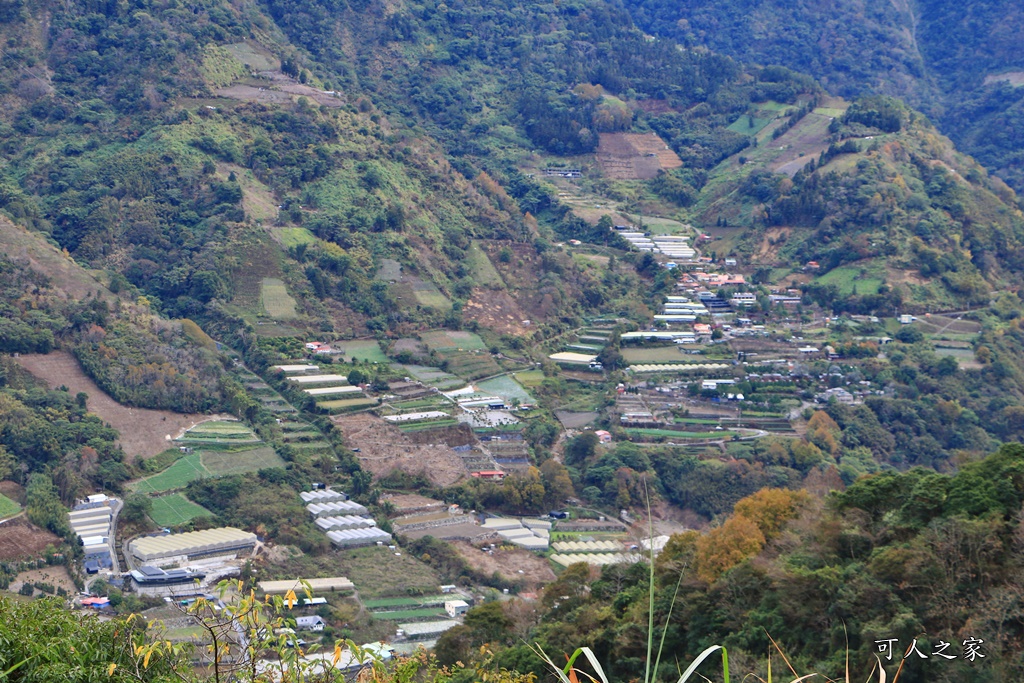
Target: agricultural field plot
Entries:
(176, 476)
(447, 340)
(864, 279)
(142, 432)
(506, 387)
(390, 271)
(228, 429)
(514, 565)
(376, 571)
(410, 614)
(666, 226)
(8, 508)
(366, 350)
(176, 509)
(220, 463)
(293, 236)
(435, 377)
(208, 463)
(748, 125)
(20, 539)
(275, 299)
(408, 603)
(346, 404)
(805, 141)
(484, 272)
(255, 57)
(427, 294)
(636, 431)
(385, 448)
(530, 378)
(471, 365)
(423, 426)
(634, 156)
(659, 354)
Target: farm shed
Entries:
(311, 623)
(331, 584)
(180, 548)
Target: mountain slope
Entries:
(950, 59)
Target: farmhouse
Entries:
(311, 623)
(456, 608)
(177, 549)
(492, 475)
(603, 436)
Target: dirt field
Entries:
(55, 576)
(143, 432)
(19, 539)
(1014, 78)
(279, 90)
(634, 156)
(408, 503)
(508, 563)
(496, 310)
(802, 143)
(21, 245)
(385, 448)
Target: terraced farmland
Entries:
(176, 509)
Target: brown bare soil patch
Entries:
(76, 282)
(56, 576)
(1014, 78)
(634, 156)
(19, 538)
(143, 432)
(773, 238)
(408, 503)
(536, 571)
(278, 89)
(651, 106)
(496, 310)
(385, 448)
(802, 143)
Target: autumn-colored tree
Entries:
(823, 432)
(770, 509)
(723, 548)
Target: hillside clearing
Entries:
(143, 432)
(276, 300)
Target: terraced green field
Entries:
(183, 471)
(346, 404)
(209, 463)
(506, 387)
(8, 508)
(277, 302)
(362, 349)
(176, 509)
(444, 340)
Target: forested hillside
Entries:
(958, 62)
